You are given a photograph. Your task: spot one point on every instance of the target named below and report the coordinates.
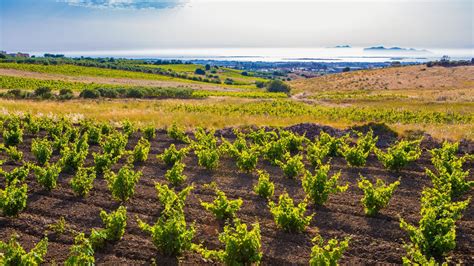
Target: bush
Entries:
(149, 132)
(12, 253)
(435, 235)
(209, 158)
(451, 176)
(47, 175)
(13, 198)
(293, 166)
(275, 150)
(89, 94)
(172, 202)
(247, 159)
(278, 86)
(399, 154)
(199, 71)
(123, 183)
(13, 134)
(141, 150)
(14, 154)
(319, 186)
(222, 207)
(171, 155)
(177, 133)
(170, 234)
(328, 254)
(83, 181)
(316, 153)
(175, 175)
(264, 188)
(333, 143)
(18, 173)
(114, 222)
(115, 144)
(73, 156)
(376, 197)
(42, 149)
(242, 246)
(81, 253)
(43, 92)
(103, 162)
(289, 217)
(357, 155)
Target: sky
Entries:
(95, 25)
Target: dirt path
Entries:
(111, 81)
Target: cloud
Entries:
(126, 4)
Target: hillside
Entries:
(417, 77)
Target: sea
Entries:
(333, 54)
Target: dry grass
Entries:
(161, 114)
(415, 78)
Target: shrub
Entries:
(12, 253)
(400, 154)
(47, 175)
(242, 246)
(115, 144)
(83, 181)
(247, 159)
(319, 186)
(316, 153)
(177, 133)
(13, 198)
(435, 235)
(89, 94)
(175, 175)
(294, 142)
(114, 222)
(149, 132)
(357, 155)
(95, 134)
(221, 207)
(264, 188)
(275, 150)
(18, 173)
(278, 86)
(141, 150)
(172, 202)
(43, 92)
(170, 234)
(451, 176)
(123, 183)
(103, 162)
(81, 253)
(14, 154)
(171, 155)
(42, 149)
(376, 197)
(209, 158)
(73, 156)
(289, 217)
(13, 134)
(293, 166)
(327, 254)
(334, 144)
(128, 128)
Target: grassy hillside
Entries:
(407, 78)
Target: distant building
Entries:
(23, 55)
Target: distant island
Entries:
(343, 46)
(395, 48)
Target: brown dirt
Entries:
(110, 81)
(394, 78)
(376, 240)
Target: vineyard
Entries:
(83, 192)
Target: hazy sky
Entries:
(88, 25)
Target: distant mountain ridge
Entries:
(394, 48)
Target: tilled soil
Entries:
(375, 240)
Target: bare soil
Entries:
(376, 240)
